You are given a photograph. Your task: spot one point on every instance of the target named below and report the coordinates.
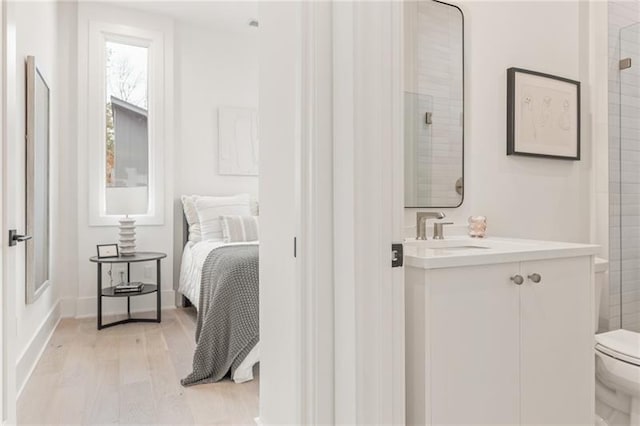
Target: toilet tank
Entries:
(601, 299)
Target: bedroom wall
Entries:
(521, 197)
(80, 297)
(213, 69)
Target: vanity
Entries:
(499, 331)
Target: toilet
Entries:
(617, 357)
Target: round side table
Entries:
(146, 289)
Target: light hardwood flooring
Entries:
(130, 374)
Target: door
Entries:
(557, 379)
(3, 393)
(10, 257)
(475, 336)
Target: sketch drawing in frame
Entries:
(543, 115)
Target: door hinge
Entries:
(295, 247)
(397, 255)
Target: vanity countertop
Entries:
(466, 251)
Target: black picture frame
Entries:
(100, 246)
(570, 116)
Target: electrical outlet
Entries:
(148, 271)
(120, 275)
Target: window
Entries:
(126, 125)
(127, 129)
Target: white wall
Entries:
(80, 296)
(521, 197)
(598, 75)
(212, 69)
(68, 173)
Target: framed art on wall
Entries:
(543, 115)
(238, 141)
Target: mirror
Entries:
(37, 273)
(433, 104)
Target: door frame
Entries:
(3, 295)
(349, 205)
(315, 269)
(352, 186)
(368, 212)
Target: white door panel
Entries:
(12, 257)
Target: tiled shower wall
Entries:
(624, 166)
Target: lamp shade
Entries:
(127, 200)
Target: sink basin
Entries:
(453, 244)
(462, 248)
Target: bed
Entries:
(220, 279)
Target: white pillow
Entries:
(211, 208)
(190, 212)
(237, 229)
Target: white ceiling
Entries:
(221, 15)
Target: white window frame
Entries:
(99, 34)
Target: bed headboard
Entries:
(185, 230)
(254, 207)
(185, 238)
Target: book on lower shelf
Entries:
(134, 287)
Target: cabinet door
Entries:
(474, 350)
(557, 380)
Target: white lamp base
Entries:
(127, 236)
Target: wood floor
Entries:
(130, 374)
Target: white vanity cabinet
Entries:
(481, 349)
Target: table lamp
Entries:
(126, 201)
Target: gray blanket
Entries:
(227, 327)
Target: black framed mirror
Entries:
(433, 104)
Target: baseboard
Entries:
(29, 358)
(85, 307)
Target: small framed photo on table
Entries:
(543, 115)
(107, 250)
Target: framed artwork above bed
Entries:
(238, 141)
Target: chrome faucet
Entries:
(421, 222)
